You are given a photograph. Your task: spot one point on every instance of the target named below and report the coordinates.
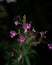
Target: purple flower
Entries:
(50, 46)
(42, 33)
(12, 33)
(16, 22)
(27, 26)
(21, 39)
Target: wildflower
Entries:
(11, 36)
(16, 22)
(50, 46)
(21, 39)
(12, 33)
(27, 26)
(42, 33)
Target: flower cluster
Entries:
(12, 33)
(27, 35)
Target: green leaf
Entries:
(4, 45)
(24, 51)
(14, 44)
(14, 62)
(34, 52)
(7, 64)
(23, 63)
(27, 60)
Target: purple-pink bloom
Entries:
(27, 26)
(11, 36)
(50, 46)
(12, 33)
(16, 22)
(42, 33)
(21, 39)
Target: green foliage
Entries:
(27, 60)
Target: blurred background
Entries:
(40, 13)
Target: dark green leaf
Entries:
(23, 63)
(27, 60)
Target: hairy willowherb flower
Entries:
(27, 26)
(12, 33)
(50, 46)
(21, 39)
(11, 36)
(16, 22)
(42, 33)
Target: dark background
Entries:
(40, 12)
